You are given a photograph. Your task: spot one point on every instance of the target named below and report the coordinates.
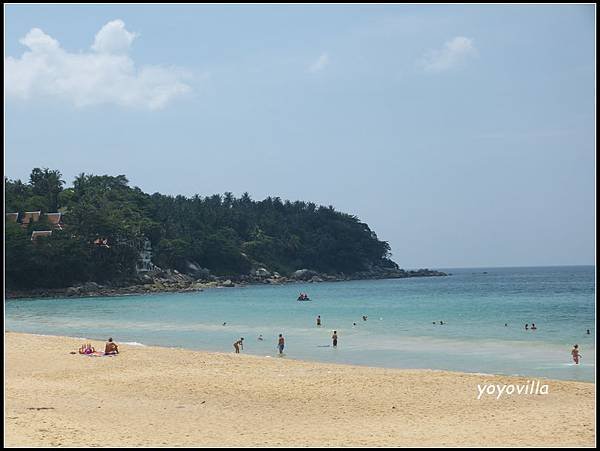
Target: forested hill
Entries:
(105, 223)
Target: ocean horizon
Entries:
(473, 303)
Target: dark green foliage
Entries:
(225, 234)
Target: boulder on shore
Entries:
(304, 274)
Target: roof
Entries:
(37, 233)
(12, 217)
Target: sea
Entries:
(483, 310)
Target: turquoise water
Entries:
(398, 332)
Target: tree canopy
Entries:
(225, 234)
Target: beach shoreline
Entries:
(160, 396)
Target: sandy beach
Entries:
(150, 396)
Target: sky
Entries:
(463, 135)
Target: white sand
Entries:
(150, 396)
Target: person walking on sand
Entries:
(318, 320)
(281, 344)
(238, 344)
(575, 354)
(334, 337)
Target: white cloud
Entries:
(104, 75)
(319, 64)
(113, 38)
(452, 54)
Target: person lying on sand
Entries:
(86, 348)
(111, 347)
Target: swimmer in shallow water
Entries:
(238, 344)
(575, 354)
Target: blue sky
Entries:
(463, 135)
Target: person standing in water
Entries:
(281, 344)
(575, 354)
(334, 337)
(533, 326)
(527, 326)
(318, 320)
(238, 344)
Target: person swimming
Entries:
(364, 317)
(260, 337)
(533, 326)
(527, 326)
(441, 323)
(588, 331)
(575, 354)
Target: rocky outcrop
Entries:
(304, 274)
(174, 281)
